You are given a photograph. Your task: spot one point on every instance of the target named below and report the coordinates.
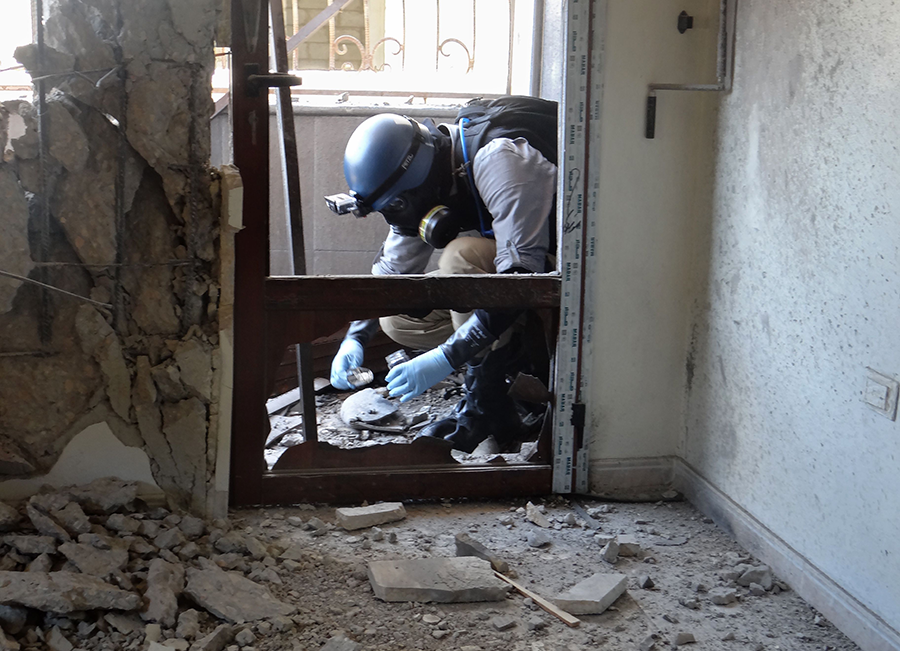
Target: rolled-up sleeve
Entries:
(517, 185)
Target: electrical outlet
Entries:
(881, 393)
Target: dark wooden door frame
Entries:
(270, 314)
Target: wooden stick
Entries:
(570, 620)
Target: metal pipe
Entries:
(724, 64)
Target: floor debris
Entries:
(441, 580)
(593, 595)
(364, 517)
(293, 579)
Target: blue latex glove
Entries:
(418, 374)
(349, 355)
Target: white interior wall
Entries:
(804, 290)
(648, 217)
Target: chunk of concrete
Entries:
(723, 596)
(215, 641)
(468, 546)
(9, 517)
(232, 597)
(46, 525)
(610, 552)
(684, 638)
(593, 595)
(440, 580)
(369, 516)
(96, 562)
(165, 582)
(534, 514)
(759, 574)
(31, 544)
(63, 592)
(629, 546)
(73, 518)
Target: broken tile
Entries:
(232, 597)
(369, 516)
(441, 580)
(593, 595)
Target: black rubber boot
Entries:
(485, 409)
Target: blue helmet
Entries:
(386, 155)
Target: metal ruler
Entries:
(577, 206)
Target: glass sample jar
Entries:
(396, 358)
(359, 377)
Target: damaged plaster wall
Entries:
(803, 291)
(133, 223)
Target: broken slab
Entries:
(215, 641)
(593, 595)
(31, 544)
(96, 562)
(232, 597)
(439, 580)
(360, 517)
(468, 546)
(63, 592)
(46, 525)
(165, 582)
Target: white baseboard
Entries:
(638, 478)
(843, 610)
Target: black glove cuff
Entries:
(469, 339)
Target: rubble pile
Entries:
(84, 568)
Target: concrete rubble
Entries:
(593, 595)
(369, 516)
(441, 580)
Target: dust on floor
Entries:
(332, 591)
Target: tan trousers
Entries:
(464, 255)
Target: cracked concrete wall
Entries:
(148, 366)
(803, 289)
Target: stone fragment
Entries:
(645, 582)
(63, 592)
(245, 637)
(169, 538)
(46, 525)
(31, 544)
(610, 552)
(122, 523)
(13, 619)
(9, 517)
(188, 624)
(195, 368)
(757, 590)
(534, 514)
(215, 641)
(96, 562)
(648, 643)
(42, 563)
(468, 546)
(441, 580)
(73, 518)
(538, 538)
(366, 407)
(232, 542)
(629, 546)
(503, 622)
(760, 574)
(8, 643)
(125, 624)
(56, 641)
(593, 595)
(684, 638)
(105, 495)
(369, 516)
(192, 527)
(165, 582)
(232, 597)
(723, 596)
(149, 529)
(255, 548)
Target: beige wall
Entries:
(649, 213)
